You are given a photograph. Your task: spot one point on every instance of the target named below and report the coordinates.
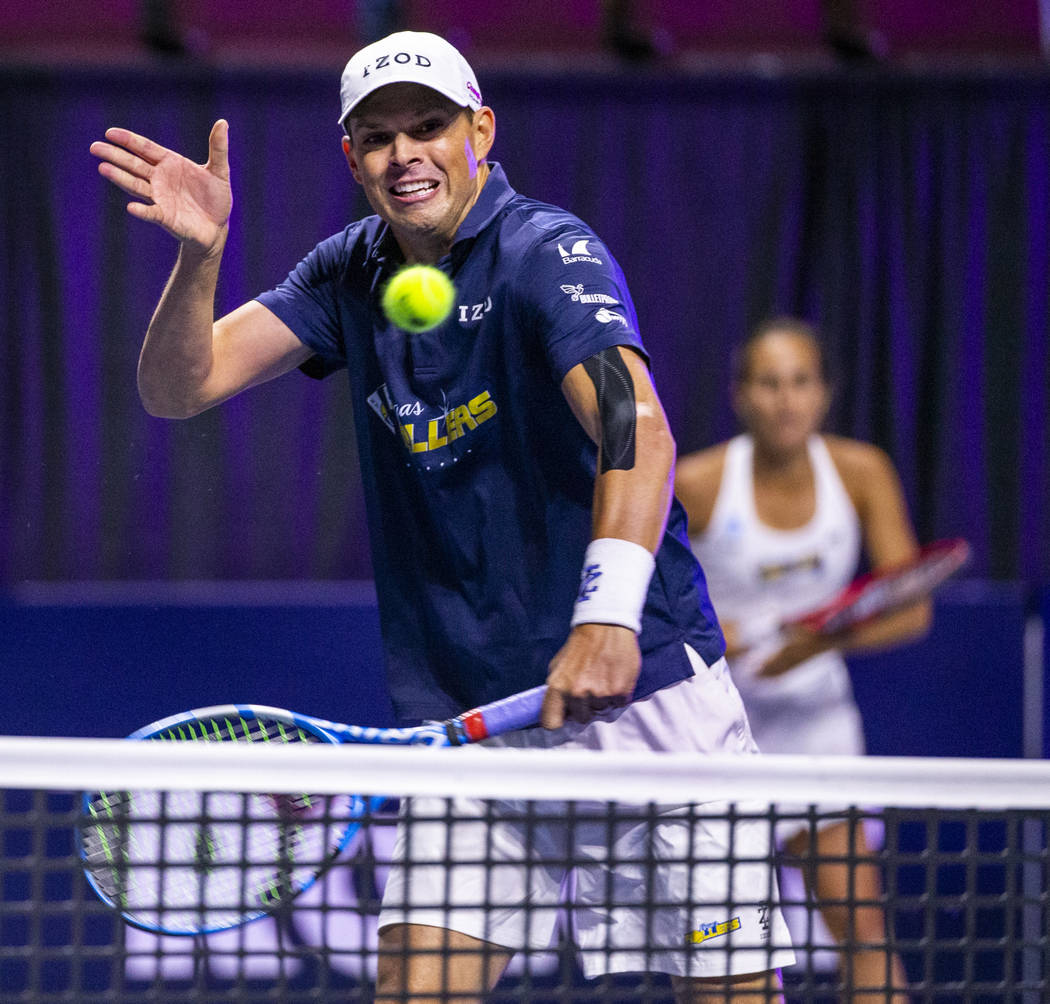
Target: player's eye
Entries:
(430, 127)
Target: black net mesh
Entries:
(952, 902)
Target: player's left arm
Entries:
(889, 539)
(613, 397)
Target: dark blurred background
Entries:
(881, 168)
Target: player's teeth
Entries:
(416, 187)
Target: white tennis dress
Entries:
(759, 576)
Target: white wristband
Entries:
(613, 584)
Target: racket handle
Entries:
(518, 711)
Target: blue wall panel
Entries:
(98, 663)
(104, 665)
(959, 691)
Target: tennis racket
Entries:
(877, 593)
(888, 589)
(193, 862)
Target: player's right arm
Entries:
(189, 361)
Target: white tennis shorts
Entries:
(646, 890)
(821, 722)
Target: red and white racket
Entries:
(887, 589)
(864, 599)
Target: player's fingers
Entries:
(119, 157)
(552, 714)
(144, 211)
(141, 146)
(125, 180)
(586, 707)
(219, 149)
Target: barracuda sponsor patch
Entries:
(578, 251)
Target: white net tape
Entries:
(86, 764)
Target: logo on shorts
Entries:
(763, 921)
(705, 932)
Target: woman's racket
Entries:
(888, 589)
(192, 862)
(864, 599)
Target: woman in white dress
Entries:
(779, 516)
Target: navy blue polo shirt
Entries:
(478, 479)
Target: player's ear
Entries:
(484, 131)
(348, 152)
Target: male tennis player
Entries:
(517, 467)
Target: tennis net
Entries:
(961, 904)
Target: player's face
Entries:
(418, 157)
(783, 398)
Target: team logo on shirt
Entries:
(705, 932)
(423, 434)
(378, 402)
(578, 252)
(579, 296)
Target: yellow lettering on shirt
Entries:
(456, 422)
(482, 407)
(408, 434)
(434, 441)
(464, 420)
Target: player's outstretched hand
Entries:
(191, 201)
(595, 670)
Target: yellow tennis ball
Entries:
(418, 298)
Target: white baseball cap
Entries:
(412, 57)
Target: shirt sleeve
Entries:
(309, 302)
(576, 295)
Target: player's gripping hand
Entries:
(191, 201)
(595, 670)
(798, 643)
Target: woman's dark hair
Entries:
(794, 325)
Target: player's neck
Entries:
(782, 464)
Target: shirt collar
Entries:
(494, 195)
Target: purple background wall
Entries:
(903, 211)
(904, 208)
(516, 26)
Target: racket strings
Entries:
(187, 861)
(237, 729)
